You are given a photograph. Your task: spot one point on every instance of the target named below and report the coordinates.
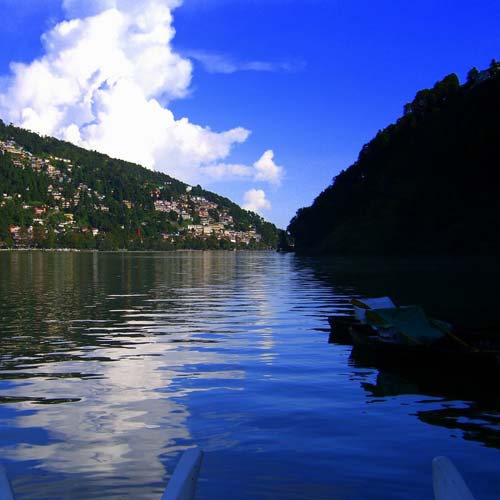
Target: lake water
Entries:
(113, 364)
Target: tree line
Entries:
(427, 184)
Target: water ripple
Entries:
(112, 364)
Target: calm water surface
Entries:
(113, 364)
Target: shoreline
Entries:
(125, 250)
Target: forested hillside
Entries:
(428, 184)
(54, 194)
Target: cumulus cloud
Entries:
(267, 170)
(77, 8)
(256, 201)
(104, 83)
(264, 170)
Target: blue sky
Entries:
(312, 80)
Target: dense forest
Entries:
(427, 184)
(55, 194)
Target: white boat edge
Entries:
(5, 488)
(182, 484)
(447, 481)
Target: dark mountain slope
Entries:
(428, 184)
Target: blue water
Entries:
(113, 364)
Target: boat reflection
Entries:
(467, 406)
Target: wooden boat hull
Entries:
(340, 329)
(401, 357)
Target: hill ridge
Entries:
(427, 184)
(55, 194)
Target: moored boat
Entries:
(341, 324)
(401, 358)
(340, 328)
(403, 338)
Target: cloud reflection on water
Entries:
(150, 323)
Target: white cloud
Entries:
(264, 170)
(221, 63)
(100, 84)
(267, 170)
(79, 8)
(256, 201)
(228, 171)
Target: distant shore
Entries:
(125, 250)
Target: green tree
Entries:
(50, 242)
(472, 75)
(39, 236)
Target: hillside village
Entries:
(182, 220)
